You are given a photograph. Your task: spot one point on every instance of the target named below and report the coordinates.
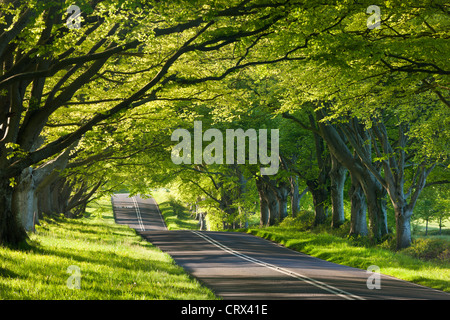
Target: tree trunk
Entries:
(358, 222)
(374, 192)
(30, 182)
(320, 197)
(274, 206)
(295, 196)
(440, 225)
(376, 207)
(337, 176)
(269, 204)
(65, 190)
(403, 226)
(263, 204)
(24, 201)
(202, 221)
(282, 193)
(264, 211)
(11, 230)
(59, 203)
(319, 186)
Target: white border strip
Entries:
(316, 283)
(138, 214)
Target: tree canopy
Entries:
(88, 105)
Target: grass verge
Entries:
(337, 249)
(176, 216)
(114, 263)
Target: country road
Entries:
(241, 266)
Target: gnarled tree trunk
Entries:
(295, 196)
(337, 177)
(376, 206)
(403, 226)
(358, 222)
(269, 204)
(24, 200)
(282, 193)
(319, 194)
(264, 209)
(11, 229)
(373, 190)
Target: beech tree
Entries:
(380, 71)
(123, 55)
(81, 101)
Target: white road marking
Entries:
(138, 214)
(316, 283)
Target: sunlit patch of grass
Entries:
(114, 262)
(175, 215)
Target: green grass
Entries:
(433, 231)
(341, 250)
(114, 262)
(175, 214)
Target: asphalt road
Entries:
(241, 266)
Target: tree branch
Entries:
(287, 115)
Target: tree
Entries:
(46, 66)
(425, 212)
(381, 71)
(101, 86)
(362, 178)
(394, 165)
(433, 205)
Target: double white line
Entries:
(138, 214)
(316, 283)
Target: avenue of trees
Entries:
(363, 112)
